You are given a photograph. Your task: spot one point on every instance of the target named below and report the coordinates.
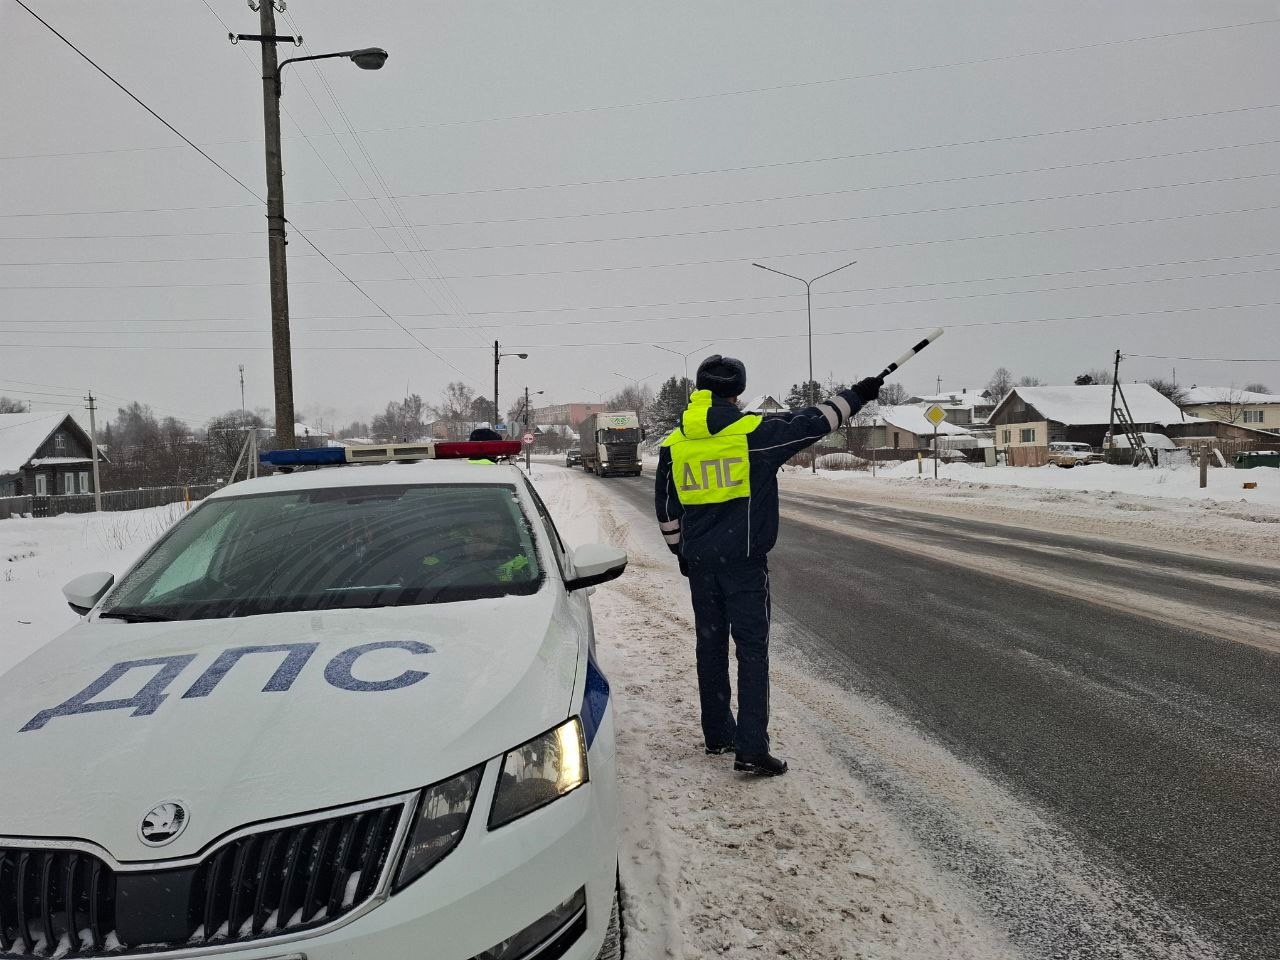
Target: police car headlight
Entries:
(438, 825)
(539, 772)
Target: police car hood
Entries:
(352, 720)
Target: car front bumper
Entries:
(493, 886)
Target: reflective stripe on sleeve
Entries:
(666, 526)
(841, 404)
(672, 538)
(831, 413)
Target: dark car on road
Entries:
(573, 458)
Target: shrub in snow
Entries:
(841, 461)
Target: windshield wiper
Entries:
(136, 616)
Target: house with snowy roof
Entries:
(963, 407)
(1258, 411)
(43, 454)
(905, 428)
(1038, 416)
(763, 404)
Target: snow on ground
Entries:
(717, 864)
(1164, 507)
(38, 556)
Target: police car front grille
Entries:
(55, 902)
(70, 904)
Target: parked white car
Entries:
(1069, 454)
(342, 713)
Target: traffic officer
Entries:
(484, 434)
(716, 497)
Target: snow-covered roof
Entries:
(955, 398)
(1213, 395)
(1091, 405)
(763, 404)
(1157, 441)
(912, 419)
(22, 434)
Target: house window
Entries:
(68, 483)
(895, 440)
(1253, 416)
(42, 485)
(84, 481)
(1027, 436)
(1006, 436)
(60, 445)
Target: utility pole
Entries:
(496, 357)
(528, 447)
(277, 260)
(1111, 422)
(93, 442)
(242, 410)
(939, 389)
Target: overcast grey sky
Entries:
(583, 181)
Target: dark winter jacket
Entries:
(729, 512)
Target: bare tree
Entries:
(1028, 381)
(1168, 388)
(629, 398)
(1097, 375)
(1001, 382)
(455, 401)
(893, 395)
(1249, 388)
(12, 406)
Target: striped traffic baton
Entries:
(910, 353)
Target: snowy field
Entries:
(1162, 508)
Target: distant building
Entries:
(1038, 416)
(565, 413)
(45, 454)
(763, 404)
(1258, 411)
(963, 407)
(905, 428)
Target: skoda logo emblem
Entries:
(163, 824)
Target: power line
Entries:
(633, 211)
(799, 84)
(651, 320)
(867, 216)
(681, 303)
(728, 339)
(883, 246)
(651, 236)
(1155, 356)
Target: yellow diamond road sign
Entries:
(935, 414)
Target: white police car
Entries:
(345, 713)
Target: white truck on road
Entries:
(610, 443)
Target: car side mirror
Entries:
(85, 591)
(595, 563)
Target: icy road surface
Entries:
(1084, 738)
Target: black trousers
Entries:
(733, 599)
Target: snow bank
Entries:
(1162, 507)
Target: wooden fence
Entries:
(113, 500)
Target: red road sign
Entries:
(527, 439)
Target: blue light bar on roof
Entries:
(313, 457)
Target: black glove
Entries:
(684, 567)
(868, 389)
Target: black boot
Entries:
(761, 764)
(719, 749)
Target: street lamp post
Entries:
(808, 302)
(684, 356)
(636, 381)
(368, 58)
(497, 357)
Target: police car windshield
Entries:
(335, 547)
